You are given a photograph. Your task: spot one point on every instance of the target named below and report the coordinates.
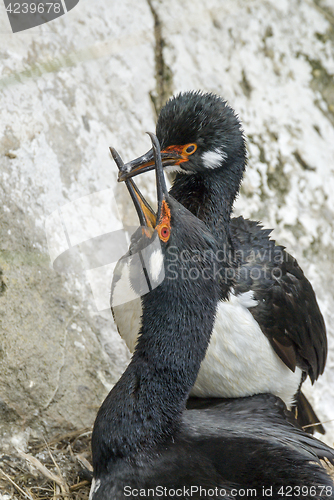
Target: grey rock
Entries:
(96, 78)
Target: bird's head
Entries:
(185, 243)
(198, 132)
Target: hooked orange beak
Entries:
(172, 155)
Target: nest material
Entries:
(60, 469)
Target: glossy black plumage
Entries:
(143, 437)
(286, 310)
(239, 444)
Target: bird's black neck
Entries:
(210, 195)
(145, 406)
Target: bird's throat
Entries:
(209, 196)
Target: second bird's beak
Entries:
(146, 215)
(162, 190)
(148, 219)
(146, 162)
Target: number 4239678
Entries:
(302, 491)
(32, 8)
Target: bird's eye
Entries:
(189, 149)
(164, 233)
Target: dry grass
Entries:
(59, 470)
(329, 468)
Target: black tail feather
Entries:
(306, 416)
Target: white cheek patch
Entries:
(156, 262)
(214, 159)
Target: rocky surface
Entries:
(95, 78)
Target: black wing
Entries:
(287, 310)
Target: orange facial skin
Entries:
(184, 151)
(163, 228)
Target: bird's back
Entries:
(234, 446)
(287, 310)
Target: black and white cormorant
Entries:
(270, 334)
(144, 442)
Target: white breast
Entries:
(240, 360)
(128, 320)
(126, 307)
